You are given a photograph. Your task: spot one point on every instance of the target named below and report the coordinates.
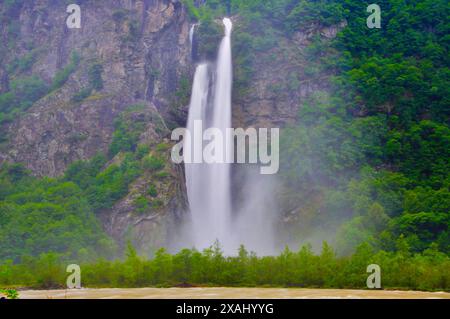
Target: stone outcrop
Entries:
(282, 80)
(143, 49)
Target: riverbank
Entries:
(229, 293)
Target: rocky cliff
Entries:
(143, 50)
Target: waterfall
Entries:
(209, 185)
(191, 40)
(221, 119)
(191, 34)
(197, 173)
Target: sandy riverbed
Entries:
(227, 293)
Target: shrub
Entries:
(63, 75)
(142, 204)
(128, 128)
(157, 203)
(81, 95)
(162, 175)
(152, 191)
(95, 76)
(153, 163)
(10, 293)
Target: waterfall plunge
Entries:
(191, 34)
(209, 185)
(220, 198)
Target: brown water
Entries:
(228, 293)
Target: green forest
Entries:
(302, 268)
(376, 152)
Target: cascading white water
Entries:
(208, 185)
(197, 173)
(191, 34)
(221, 118)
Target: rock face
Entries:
(284, 76)
(142, 49)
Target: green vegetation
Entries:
(59, 215)
(82, 95)
(95, 83)
(10, 293)
(63, 75)
(25, 91)
(179, 98)
(379, 145)
(152, 191)
(142, 204)
(104, 187)
(95, 76)
(209, 34)
(128, 129)
(22, 64)
(154, 163)
(40, 215)
(402, 270)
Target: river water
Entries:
(229, 293)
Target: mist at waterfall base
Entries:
(216, 215)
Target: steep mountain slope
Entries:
(141, 49)
(126, 53)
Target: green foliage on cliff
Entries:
(25, 91)
(95, 76)
(111, 184)
(59, 215)
(39, 215)
(153, 163)
(128, 128)
(389, 111)
(22, 64)
(63, 75)
(208, 36)
(95, 71)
